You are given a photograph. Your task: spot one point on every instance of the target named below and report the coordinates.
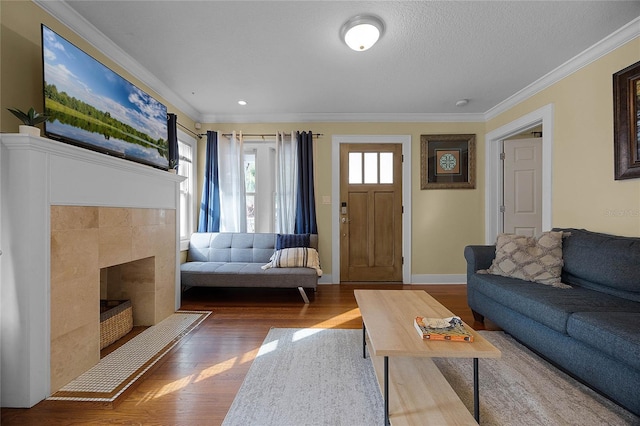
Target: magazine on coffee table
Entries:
(442, 329)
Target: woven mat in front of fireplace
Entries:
(117, 371)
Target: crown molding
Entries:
(78, 24)
(343, 117)
(608, 44)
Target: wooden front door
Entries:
(371, 212)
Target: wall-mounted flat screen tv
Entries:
(93, 107)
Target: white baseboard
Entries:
(418, 279)
(439, 279)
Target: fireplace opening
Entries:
(134, 281)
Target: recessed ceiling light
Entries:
(241, 102)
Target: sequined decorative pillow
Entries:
(529, 258)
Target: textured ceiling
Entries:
(285, 57)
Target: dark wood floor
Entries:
(196, 382)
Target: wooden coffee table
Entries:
(417, 385)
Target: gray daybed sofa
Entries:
(591, 330)
(239, 259)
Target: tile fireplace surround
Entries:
(86, 240)
(66, 214)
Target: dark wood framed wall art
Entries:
(626, 122)
(447, 161)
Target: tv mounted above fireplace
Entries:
(91, 106)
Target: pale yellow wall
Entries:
(21, 61)
(585, 194)
(444, 221)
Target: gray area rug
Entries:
(521, 388)
(309, 377)
(318, 377)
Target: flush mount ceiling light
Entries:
(362, 31)
(242, 102)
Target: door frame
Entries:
(336, 141)
(494, 171)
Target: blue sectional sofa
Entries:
(591, 330)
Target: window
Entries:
(187, 149)
(370, 168)
(250, 188)
(259, 178)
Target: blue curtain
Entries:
(305, 199)
(172, 130)
(209, 220)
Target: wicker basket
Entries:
(116, 320)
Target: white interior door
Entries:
(522, 186)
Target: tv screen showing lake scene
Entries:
(91, 106)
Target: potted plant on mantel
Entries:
(30, 119)
(173, 166)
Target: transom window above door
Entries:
(370, 168)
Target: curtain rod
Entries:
(263, 135)
(267, 135)
(190, 131)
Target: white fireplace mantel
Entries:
(35, 174)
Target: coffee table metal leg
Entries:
(364, 340)
(476, 391)
(386, 391)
